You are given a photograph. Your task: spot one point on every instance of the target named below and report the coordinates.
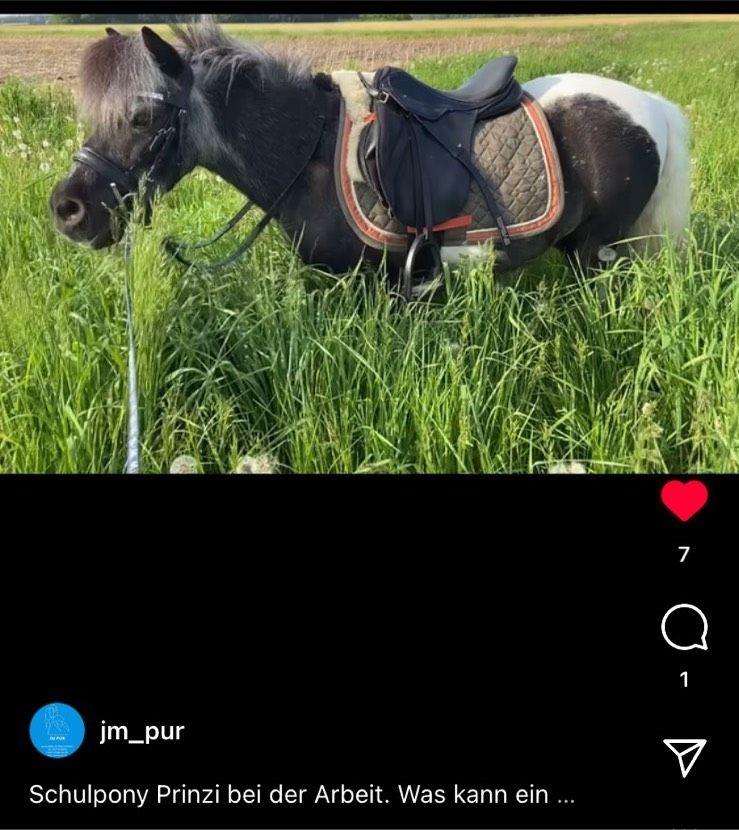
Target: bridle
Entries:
(165, 150)
(159, 155)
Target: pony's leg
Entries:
(595, 243)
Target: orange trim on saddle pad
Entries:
(450, 224)
(369, 233)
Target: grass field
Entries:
(635, 370)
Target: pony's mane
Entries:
(205, 43)
(117, 68)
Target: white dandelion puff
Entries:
(571, 468)
(183, 465)
(255, 465)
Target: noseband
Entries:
(165, 149)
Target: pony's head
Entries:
(135, 93)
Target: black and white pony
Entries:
(623, 151)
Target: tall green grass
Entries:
(634, 370)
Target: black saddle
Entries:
(419, 152)
(487, 82)
(485, 87)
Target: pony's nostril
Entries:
(70, 212)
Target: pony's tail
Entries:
(667, 213)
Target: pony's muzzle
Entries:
(78, 210)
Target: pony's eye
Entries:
(140, 119)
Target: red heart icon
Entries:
(684, 499)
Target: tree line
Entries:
(223, 18)
(251, 18)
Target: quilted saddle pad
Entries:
(515, 152)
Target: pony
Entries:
(252, 116)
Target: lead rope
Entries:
(132, 457)
(103, 166)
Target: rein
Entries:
(160, 154)
(174, 248)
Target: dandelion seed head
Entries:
(255, 465)
(571, 468)
(183, 465)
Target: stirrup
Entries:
(421, 244)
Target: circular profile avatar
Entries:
(57, 730)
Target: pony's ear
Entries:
(167, 57)
(111, 32)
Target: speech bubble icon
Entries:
(683, 609)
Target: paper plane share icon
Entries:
(687, 751)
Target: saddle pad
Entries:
(515, 152)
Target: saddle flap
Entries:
(420, 178)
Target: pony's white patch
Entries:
(668, 210)
(454, 254)
(357, 105)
